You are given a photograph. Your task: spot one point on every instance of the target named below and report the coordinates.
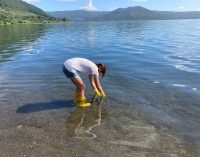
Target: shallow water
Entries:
(152, 86)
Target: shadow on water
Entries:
(29, 108)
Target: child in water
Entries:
(73, 66)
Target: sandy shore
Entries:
(35, 125)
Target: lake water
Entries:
(152, 107)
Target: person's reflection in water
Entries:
(82, 121)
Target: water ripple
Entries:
(142, 57)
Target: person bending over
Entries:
(92, 70)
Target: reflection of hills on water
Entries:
(82, 121)
(16, 38)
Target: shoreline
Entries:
(27, 23)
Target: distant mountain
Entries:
(124, 14)
(179, 15)
(140, 13)
(131, 13)
(18, 11)
(77, 15)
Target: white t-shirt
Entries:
(82, 65)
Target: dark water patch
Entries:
(29, 108)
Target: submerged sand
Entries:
(35, 125)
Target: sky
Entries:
(109, 5)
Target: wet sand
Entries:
(36, 125)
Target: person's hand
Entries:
(96, 92)
(103, 94)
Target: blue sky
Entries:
(102, 5)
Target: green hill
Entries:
(18, 11)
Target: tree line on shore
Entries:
(18, 11)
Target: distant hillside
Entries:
(179, 15)
(77, 15)
(140, 13)
(131, 13)
(125, 14)
(18, 11)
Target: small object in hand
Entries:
(103, 94)
(97, 92)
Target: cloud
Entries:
(89, 6)
(30, 1)
(181, 7)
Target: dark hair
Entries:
(101, 68)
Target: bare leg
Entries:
(80, 87)
(80, 92)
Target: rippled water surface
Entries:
(152, 79)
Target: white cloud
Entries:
(89, 6)
(30, 1)
(181, 7)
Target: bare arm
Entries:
(94, 80)
(91, 78)
(98, 84)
